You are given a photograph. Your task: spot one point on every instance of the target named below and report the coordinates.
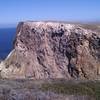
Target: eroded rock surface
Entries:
(53, 50)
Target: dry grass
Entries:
(91, 88)
(76, 87)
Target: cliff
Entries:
(45, 50)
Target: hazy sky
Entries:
(13, 11)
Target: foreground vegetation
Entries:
(63, 87)
(91, 88)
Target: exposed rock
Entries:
(53, 50)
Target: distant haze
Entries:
(6, 25)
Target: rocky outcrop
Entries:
(53, 50)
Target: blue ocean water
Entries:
(7, 36)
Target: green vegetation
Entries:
(64, 87)
(90, 88)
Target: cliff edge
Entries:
(45, 50)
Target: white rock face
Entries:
(45, 50)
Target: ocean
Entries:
(7, 36)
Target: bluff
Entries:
(44, 50)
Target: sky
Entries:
(14, 11)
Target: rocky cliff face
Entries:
(53, 50)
